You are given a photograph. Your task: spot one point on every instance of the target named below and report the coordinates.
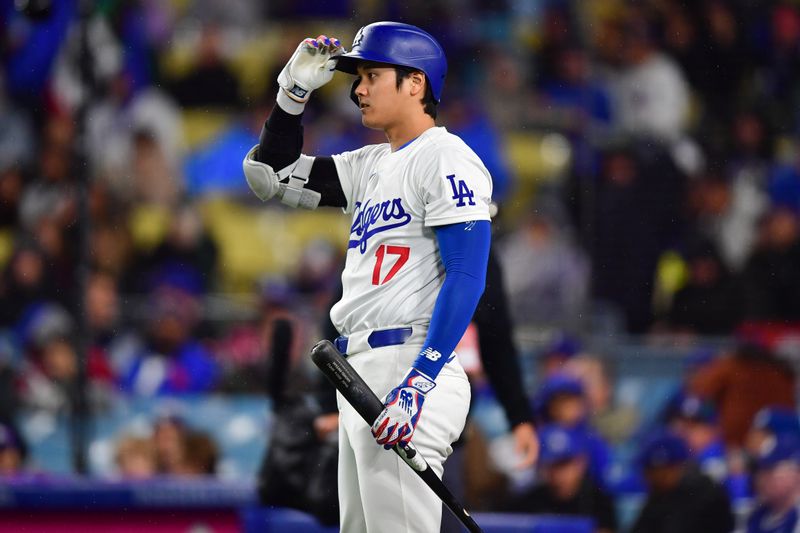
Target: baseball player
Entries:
(416, 258)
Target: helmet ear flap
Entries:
(353, 88)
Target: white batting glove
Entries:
(310, 67)
(403, 405)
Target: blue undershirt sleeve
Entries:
(464, 250)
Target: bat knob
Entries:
(409, 454)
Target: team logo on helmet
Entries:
(358, 38)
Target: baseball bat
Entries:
(369, 406)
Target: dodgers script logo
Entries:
(371, 219)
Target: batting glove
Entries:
(310, 67)
(403, 405)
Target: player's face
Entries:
(383, 104)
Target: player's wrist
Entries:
(289, 104)
(429, 362)
(419, 381)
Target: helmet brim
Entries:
(349, 62)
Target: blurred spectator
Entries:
(696, 421)
(48, 207)
(650, 93)
(211, 83)
(187, 258)
(505, 93)
(783, 186)
(770, 423)
(777, 487)
(246, 351)
(709, 303)
(13, 451)
(779, 63)
(200, 455)
(136, 140)
(169, 433)
(172, 361)
(615, 422)
(558, 31)
(155, 179)
(561, 400)
(466, 118)
(25, 282)
(566, 488)
(633, 218)
(317, 273)
(740, 384)
(679, 499)
(215, 166)
(574, 101)
(724, 212)
(557, 354)
(546, 274)
(707, 40)
(771, 283)
(30, 47)
(108, 339)
(135, 457)
(48, 373)
(52, 194)
(730, 217)
(17, 141)
(12, 181)
(112, 248)
(103, 62)
(102, 306)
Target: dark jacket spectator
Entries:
(708, 304)
(633, 219)
(772, 286)
(680, 499)
(566, 487)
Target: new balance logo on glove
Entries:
(402, 407)
(406, 400)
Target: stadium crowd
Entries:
(646, 166)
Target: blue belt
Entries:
(378, 338)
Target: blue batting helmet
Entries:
(395, 43)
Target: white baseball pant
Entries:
(378, 492)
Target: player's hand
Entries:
(310, 67)
(403, 405)
(526, 444)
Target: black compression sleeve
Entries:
(281, 122)
(281, 139)
(280, 145)
(497, 348)
(325, 180)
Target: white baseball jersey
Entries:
(393, 271)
